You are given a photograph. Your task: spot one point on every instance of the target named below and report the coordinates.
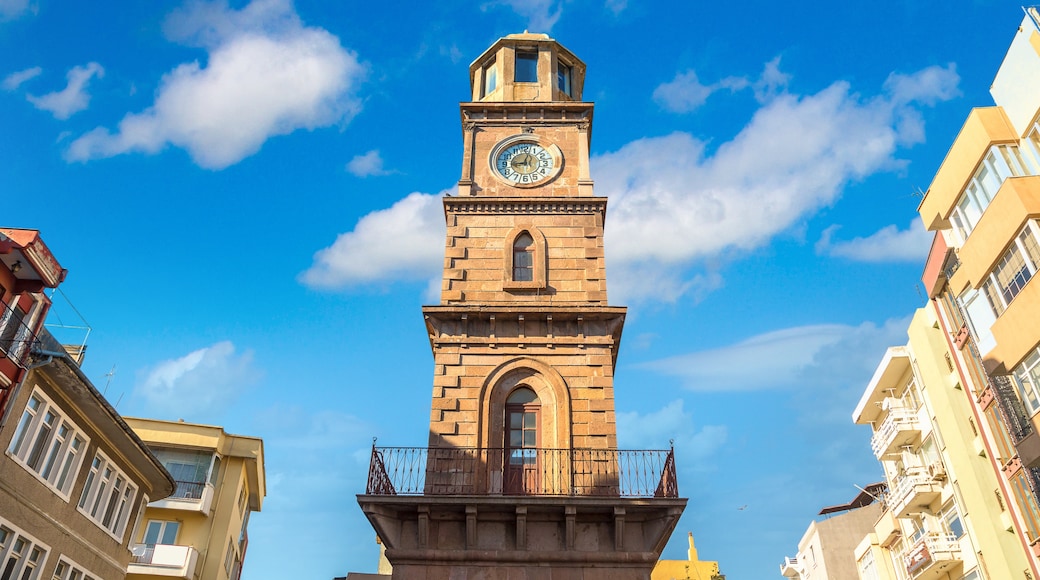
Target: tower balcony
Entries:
(162, 560)
(900, 428)
(916, 491)
(522, 472)
(933, 556)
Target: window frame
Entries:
(58, 462)
(72, 568)
(1001, 295)
(564, 78)
(524, 54)
(9, 536)
(539, 264)
(106, 479)
(1002, 160)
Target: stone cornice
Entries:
(525, 205)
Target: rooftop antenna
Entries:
(108, 381)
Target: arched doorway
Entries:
(522, 441)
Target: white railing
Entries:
(931, 548)
(163, 560)
(899, 419)
(790, 568)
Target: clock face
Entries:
(525, 163)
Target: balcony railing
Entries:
(931, 551)
(899, 428)
(790, 568)
(544, 472)
(189, 490)
(16, 339)
(163, 560)
(914, 491)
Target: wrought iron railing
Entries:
(16, 339)
(548, 472)
(189, 490)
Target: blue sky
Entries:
(246, 196)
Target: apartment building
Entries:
(73, 476)
(943, 515)
(200, 532)
(983, 206)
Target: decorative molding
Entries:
(514, 205)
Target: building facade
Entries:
(522, 474)
(983, 205)
(200, 531)
(74, 476)
(944, 514)
(825, 551)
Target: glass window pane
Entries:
(151, 533)
(530, 420)
(490, 79)
(1029, 242)
(563, 78)
(522, 395)
(516, 438)
(515, 420)
(169, 535)
(530, 439)
(526, 66)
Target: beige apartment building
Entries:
(200, 531)
(73, 476)
(522, 476)
(983, 205)
(825, 551)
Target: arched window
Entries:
(522, 440)
(523, 258)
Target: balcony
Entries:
(790, 568)
(16, 339)
(933, 556)
(196, 496)
(916, 491)
(162, 560)
(899, 428)
(522, 472)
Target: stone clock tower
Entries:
(522, 477)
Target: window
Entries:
(21, 555)
(490, 78)
(526, 70)
(1001, 162)
(1014, 269)
(522, 419)
(161, 532)
(108, 496)
(563, 78)
(1026, 378)
(229, 557)
(952, 520)
(69, 570)
(1003, 441)
(973, 575)
(190, 469)
(48, 444)
(523, 258)
(980, 317)
(242, 495)
(1027, 502)
(868, 567)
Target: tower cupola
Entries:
(526, 67)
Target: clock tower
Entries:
(522, 477)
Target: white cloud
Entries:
(616, 6)
(367, 165)
(686, 93)
(541, 15)
(11, 9)
(794, 157)
(267, 74)
(889, 244)
(15, 79)
(73, 98)
(199, 381)
(404, 241)
(653, 430)
(800, 357)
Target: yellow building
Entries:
(199, 532)
(942, 518)
(690, 569)
(983, 205)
